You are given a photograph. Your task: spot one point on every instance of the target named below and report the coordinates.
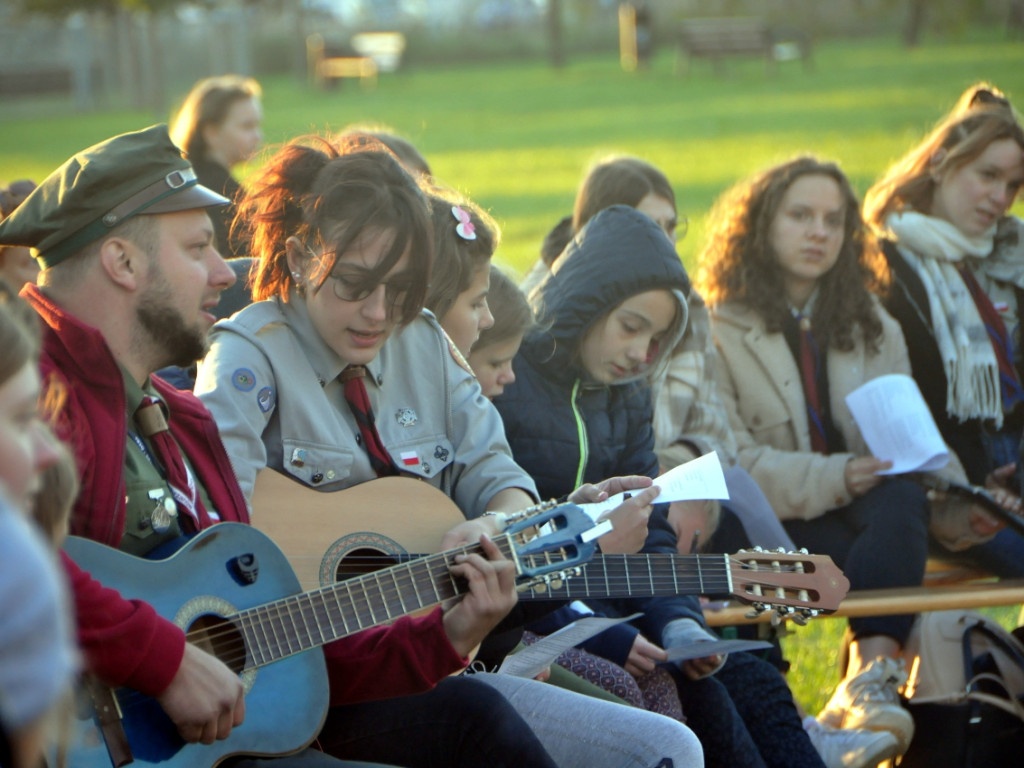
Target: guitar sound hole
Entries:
(218, 636)
(362, 561)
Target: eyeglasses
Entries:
(353, 286)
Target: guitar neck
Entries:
(300, 622)
(644, 575)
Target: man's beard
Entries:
(165, 328)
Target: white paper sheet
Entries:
(897, 425)
(534, 659)
(701, 478)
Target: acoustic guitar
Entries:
(329, 537)
(234, 593)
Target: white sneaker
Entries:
(871, 700)
(851, 747)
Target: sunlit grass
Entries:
(517, 136)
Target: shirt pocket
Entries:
(771, 428)
(315, 464)
(424, 457)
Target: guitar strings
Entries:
(438, 567)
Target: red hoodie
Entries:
(125, 642)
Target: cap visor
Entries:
(196, 196)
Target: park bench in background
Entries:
(367, 54)
(717, 38)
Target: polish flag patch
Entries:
(409, 458)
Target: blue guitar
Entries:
(236, 596)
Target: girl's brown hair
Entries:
(957, 140)
(738, 262)
(208, 104)
(328, 197)
(456, 258)
(512, 314)
(618, 181)
(19, 333)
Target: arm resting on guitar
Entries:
(410, 656)
(125, 642)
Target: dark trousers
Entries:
(879, 540)
(745, 716)
(461, 723)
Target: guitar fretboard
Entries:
(645, 575)
(301, 622)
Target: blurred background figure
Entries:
(219, 127)
(17, 266)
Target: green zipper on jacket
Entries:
(581, 434)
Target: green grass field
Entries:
(516, 138)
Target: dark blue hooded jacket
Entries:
(564, 430)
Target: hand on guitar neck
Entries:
(492, 594)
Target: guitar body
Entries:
(197, 587)
(332, 536)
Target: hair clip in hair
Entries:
(464, 228)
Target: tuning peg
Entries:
(799, 619)
(803, 551)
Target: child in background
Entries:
(17, 266)
(491, 357)
(465, 238)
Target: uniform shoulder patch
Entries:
(456, 354)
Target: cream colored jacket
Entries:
(760, 384)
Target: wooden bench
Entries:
(324, 69)
(717, 38)
(946, 586)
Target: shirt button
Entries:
(318, 477)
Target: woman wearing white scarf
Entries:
(958, 269)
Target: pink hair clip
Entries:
(464, 228)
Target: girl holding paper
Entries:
(580, 408)
(787, 271)
(957, 262)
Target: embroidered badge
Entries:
(441, 453)
(406, 417)
(409, 458)
(243, 379)
(265, 399)
(457, 355)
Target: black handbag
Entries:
(966, 694)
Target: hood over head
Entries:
(619, 253)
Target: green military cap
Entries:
(101, 187)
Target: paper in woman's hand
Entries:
(897, 425)
(701, 478)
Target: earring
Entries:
(296, 276)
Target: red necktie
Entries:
(1001, 342)
(809, 373)
(152, 423)
(359, 402)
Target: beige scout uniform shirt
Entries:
(271, 383)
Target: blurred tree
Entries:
(555, 37)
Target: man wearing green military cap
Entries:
(130, 274)
(130, 278)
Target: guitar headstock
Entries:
(552, 542)
(793, 585)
